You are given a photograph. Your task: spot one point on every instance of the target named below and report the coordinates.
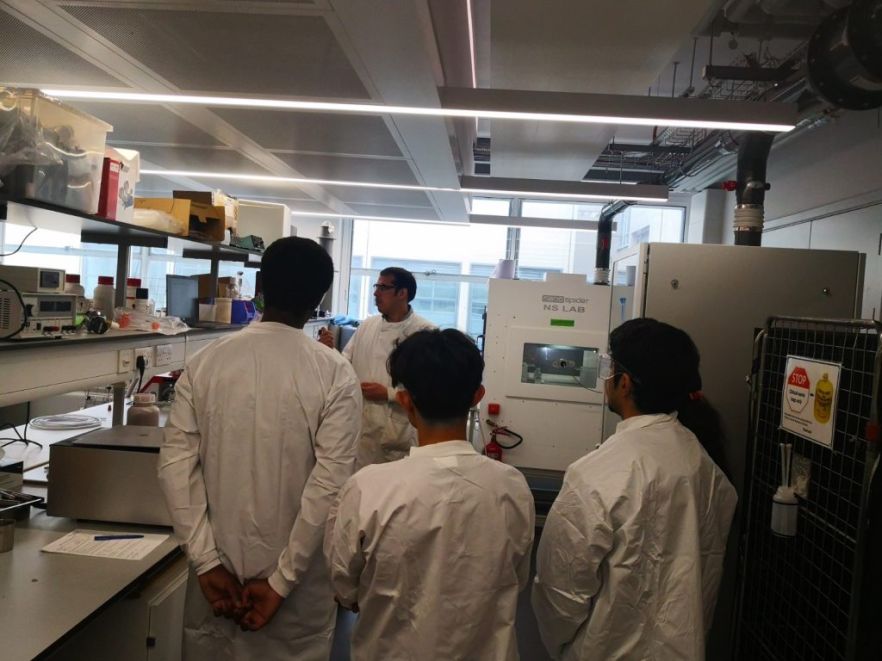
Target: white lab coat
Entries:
(260, 439)
(434, 549)
(386, 434)
(631, 554)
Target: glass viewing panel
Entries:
(559, 365)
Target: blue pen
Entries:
(107, 538)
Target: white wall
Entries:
(827, 194)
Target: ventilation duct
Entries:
(604, 240)
(845, 57)
(326, 241)
(750, 193)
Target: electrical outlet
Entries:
(163, 354)
(125, 361)
(147, 354)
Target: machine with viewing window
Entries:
(543, 408)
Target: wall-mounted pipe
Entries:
(750, 193)
(604, 239)
(326, 240)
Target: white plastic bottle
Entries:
(103, 297)
(72, 286)
(142, 302)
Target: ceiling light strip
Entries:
(482, 186)
(297, 180)
(512, 105)
(622, 109)
(391, 219)
(527, 221)
(471, 29)
(563, 189)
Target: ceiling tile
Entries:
(151, 183)
(319, 132)
(146, 123)
(417, 213)
(27, 56)
(258, 189)
(341, 168)
(357, 195)
(199, 159)
(268, 54)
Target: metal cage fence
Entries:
(800, 596)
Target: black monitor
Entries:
(182, 297)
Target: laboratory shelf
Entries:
(93, 229)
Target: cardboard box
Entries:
(197, 221)
(214, 198)
(224, 283)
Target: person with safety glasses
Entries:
(631, 555)
(386, 434)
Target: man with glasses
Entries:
(386, 434)
(631, 554)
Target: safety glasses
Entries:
(604, 367)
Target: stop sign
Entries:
(797, 390)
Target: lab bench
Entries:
(32, 369)
(64, 607)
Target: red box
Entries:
(493, 409)
(109, 189)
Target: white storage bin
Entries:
(50, 151)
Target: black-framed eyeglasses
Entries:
(381, 287)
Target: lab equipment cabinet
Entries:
(147, 625)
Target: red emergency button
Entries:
(492, 409)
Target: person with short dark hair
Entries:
(260, 439)
(631, 554)
(433, 549)
(386, 434)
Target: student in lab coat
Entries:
(433, 549)
(260, 439)
(385, 435)
(631, 554)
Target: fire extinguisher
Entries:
(493, 449)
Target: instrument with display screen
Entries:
(48, 315)
(542, 347)
(33, 278)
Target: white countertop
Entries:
(44, 597)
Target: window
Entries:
(357, 284)
(477, 297)
(64, 250)
(437, 300)
(491, 206)
(452, 261)
(443, 258)
(642, 224)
